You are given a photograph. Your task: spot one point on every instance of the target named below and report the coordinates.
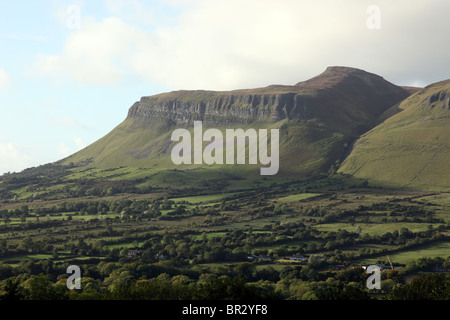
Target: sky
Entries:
(70, 70)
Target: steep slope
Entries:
(317, 119)
(412, 147)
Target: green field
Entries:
(203, 199)
(440, 249)
(297, 197)
(410, 149)
(375, 228)
(205, 231)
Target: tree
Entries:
(245, 270)
(6, 219)
(224, 287)
(268, 273)
(118, 278)
(352, 275)
(435, 286)
(55, 254)
(12, 290)
(26, 244)
(40, 288)
(3, 246)
(342, 292)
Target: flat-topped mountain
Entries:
(318, 119)
(346, 97)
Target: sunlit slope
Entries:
(412, 147)
(318, 119)
(304, 149)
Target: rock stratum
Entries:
(339, 95)
(319, 119)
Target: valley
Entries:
(122, 232)
(362, 179)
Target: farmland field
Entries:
(150, 224)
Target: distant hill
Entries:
(410, 148)
(318, 120)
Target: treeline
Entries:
(395, 212)
(88, 207)
(160, 288)
(45, 280)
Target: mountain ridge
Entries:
(318, 118)
(409, 148)
(272, 103)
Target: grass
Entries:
(209, 235)
(255, 215)
(411, 149)
(440, 249)
(126, 245)
(203, 199)
(374, 228)
(290, 244)
(26, 257)
(297, 197)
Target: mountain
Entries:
(318, 119)
(410, 148)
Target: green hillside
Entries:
(140, 227)
(410, 148)
(318, 119)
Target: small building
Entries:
(133, 252)
(381, 267)
(298, 258)
(438, 268)
(159, 257)
(254, 257)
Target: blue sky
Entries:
(69, 70)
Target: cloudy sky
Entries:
(69, 70)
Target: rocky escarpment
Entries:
(441, 98)
(339, 95)
(328, 113)
(218, 108)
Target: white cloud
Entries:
(5, 79)
(79, 143)
(12, 159)
(135, 10)
(235, 44)
(95, 54)
(65, 150)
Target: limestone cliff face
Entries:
(339, 97)
(218, 108)
(326, 114)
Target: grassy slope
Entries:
(302, 149)
(340, 103)
(411, 148)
